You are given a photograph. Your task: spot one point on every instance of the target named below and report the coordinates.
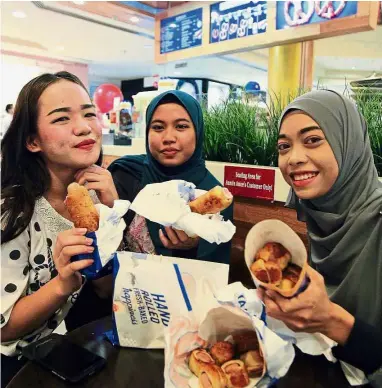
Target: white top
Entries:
(27, 264)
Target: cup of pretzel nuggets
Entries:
(218, 345)
(276, 258)
(235, 363)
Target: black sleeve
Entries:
(185, 253)
(363, 348)
(126, 185)
(127, 188)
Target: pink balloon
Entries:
(104, 96)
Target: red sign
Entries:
(250, 182)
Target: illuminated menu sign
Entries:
(237, 19)
(181, 32)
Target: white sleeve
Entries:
(14, 273)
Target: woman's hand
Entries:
(70, 243)
(177, 239)
(98, 179)
(310, 311)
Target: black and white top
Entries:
(27, 264)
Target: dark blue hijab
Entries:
(194, 170)
(148, 170)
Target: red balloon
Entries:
(104, 97)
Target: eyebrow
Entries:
(162, 122)
(67, 109)
(302, 131)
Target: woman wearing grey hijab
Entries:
(325, 156)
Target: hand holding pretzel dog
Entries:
(310, 311)
(212, 202)
(98, 179)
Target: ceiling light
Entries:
(19, 14)
(353, 68)
(134, 19)
(177, 73)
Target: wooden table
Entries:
(137, 368)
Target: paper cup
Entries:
(277, 231)
(223, 324)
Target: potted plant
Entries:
(244, 133)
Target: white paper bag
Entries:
(149, 290)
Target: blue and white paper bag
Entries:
(150, 289)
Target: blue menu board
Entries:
(181, 32)
(302, 13)
(237, 19)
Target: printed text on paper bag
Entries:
(144, 307)
(250, 182)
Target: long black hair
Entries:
(24, 175)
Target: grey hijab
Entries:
(345, 225)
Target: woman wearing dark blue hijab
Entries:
(174, 150)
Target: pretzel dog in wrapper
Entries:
(181, 205)
(212, 202)
(84, 215)
(104, 225)
(276, 258)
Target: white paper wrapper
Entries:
(170, 208)
(313, 344)
(149, 290)
(247, 300)
(106, 239)
(354, 376)
(215, 320)
(276, 231)
(111, 226)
